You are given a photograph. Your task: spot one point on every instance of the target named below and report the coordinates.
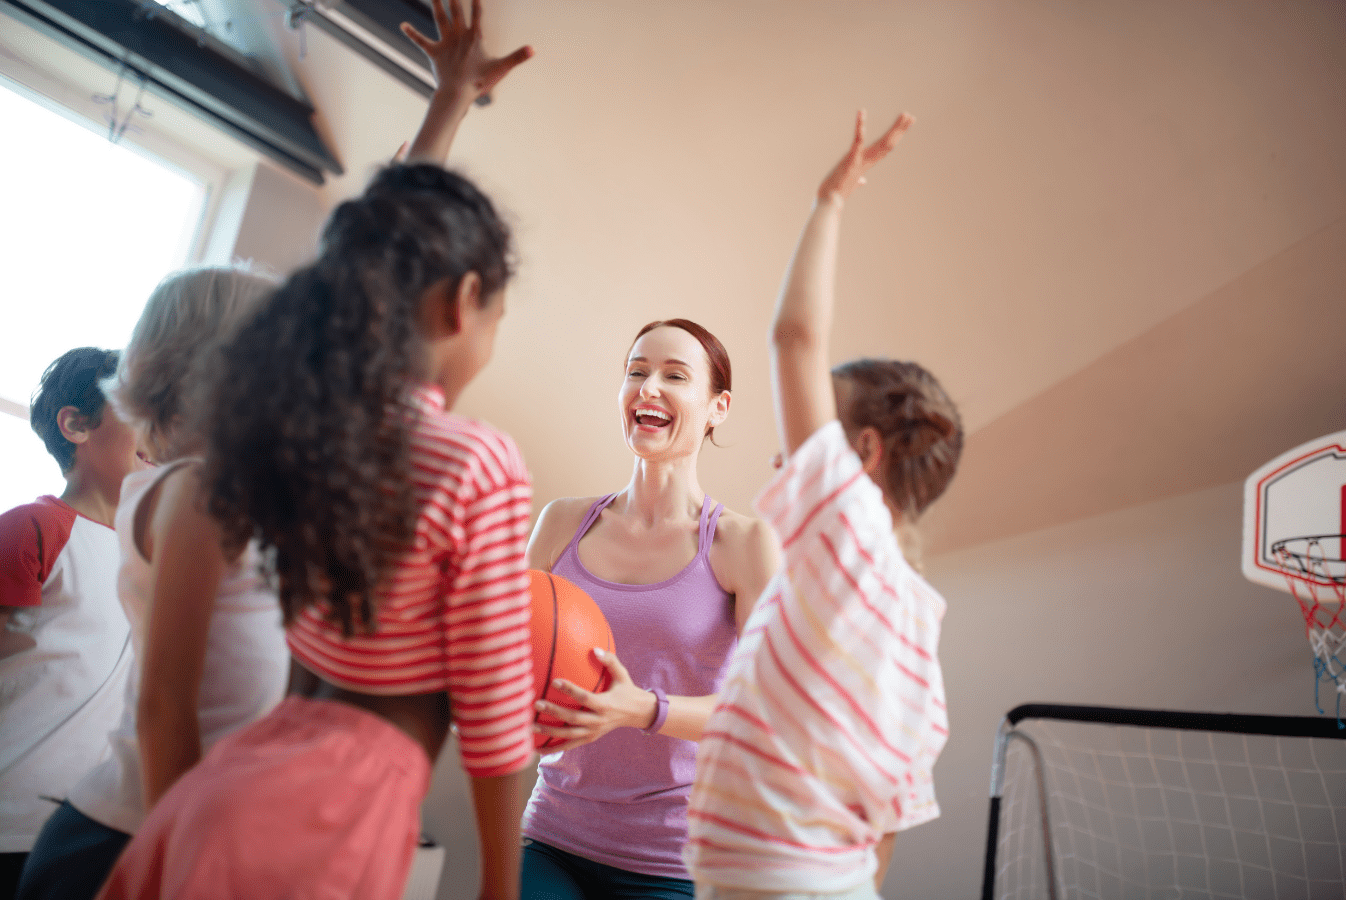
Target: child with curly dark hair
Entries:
(396, 533)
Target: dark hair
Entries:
(309, 427)
(721, 374)
(921, 429)
(72, 380)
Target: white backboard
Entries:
(1294, 515)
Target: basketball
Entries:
(567, 626)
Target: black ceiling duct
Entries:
(372, 28)
(190, 68)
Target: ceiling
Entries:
(1116, 232)
(1099, 204)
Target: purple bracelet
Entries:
(660, 711)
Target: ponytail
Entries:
(921, 430)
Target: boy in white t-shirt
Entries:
(64, 656)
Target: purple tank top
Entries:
(622, 800)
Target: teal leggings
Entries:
(552, 874)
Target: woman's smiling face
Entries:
(666, 399)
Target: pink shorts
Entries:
(316, 799)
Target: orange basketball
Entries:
(567, 626)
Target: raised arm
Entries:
(463, 73)
(800, 377)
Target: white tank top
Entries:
(244, 676)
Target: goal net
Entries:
(1099, 802)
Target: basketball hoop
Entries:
(1317, 579)
(1303, 492)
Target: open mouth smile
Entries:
(650, 418)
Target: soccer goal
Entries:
(1103, 802)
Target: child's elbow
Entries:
(792, 336)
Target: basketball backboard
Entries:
(1294, 516)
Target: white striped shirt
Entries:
(454, 615)
(827, 729)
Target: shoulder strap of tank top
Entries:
(709, 517)
(590, 517)
(169, 468)
(160, 474)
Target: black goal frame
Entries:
(1235, 723)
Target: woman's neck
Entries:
(663, 491)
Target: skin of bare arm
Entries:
(743, 560)
(498, 802)
(745, 555)
(884, 851)
(801, 378)
(463, 72)
(182, 544)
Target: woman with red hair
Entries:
(676, 575)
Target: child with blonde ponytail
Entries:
(832, 715)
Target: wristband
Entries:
(660, 711)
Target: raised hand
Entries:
(463, 74)
(456, 55)
(849, 173)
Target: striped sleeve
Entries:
(490, 674)
(867, 625)
(815, 477)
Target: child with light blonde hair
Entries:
(209, 653)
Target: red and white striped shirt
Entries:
(454, 615)
(832, 715)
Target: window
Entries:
(89, 228)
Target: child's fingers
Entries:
(442, 21)
(454, 18)
(499, 68)
(894, 134)
(523, 54)
(857, 149)
(417, 38)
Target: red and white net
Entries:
(1316, 574)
